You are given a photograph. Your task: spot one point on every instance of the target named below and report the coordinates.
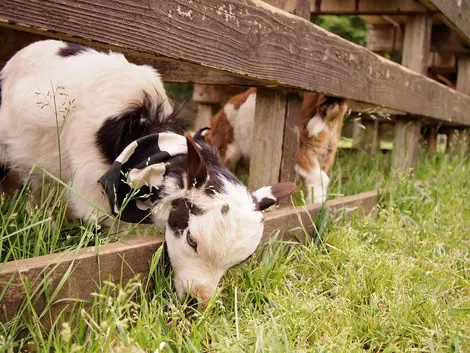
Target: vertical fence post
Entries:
(432, 138)
(290, 145)
(416, 48)
(276, 130)
(268, 137)
(370, 143)
(205, 96)
(463, 85)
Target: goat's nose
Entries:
(202, 293)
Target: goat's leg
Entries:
(330, 156)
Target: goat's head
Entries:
(331, 108)
(212, 221)
(216, 225)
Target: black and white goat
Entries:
(121, 132)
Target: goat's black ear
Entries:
(269, 195)
(196, 169)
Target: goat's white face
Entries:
(208, 234)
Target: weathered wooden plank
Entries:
(416, 44)
(287, 220)
(357, 134)
(463, 85)
(432, 138)
(406, 143)
(442, 62)
(371, 141)
(179, 72)
(121, 261)
(265, 44)
(302, 9)
(88, 268)
(12, 40)
(354, 7)
(386, 38)
(455, 14)
(463, 74)
(415, 56)
(290, 145)
(356, 106)
(266, 156)
(382, 20)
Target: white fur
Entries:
(232, 156)
(264, 192)
(101, 85)
(224, 240)
(242, 121)
(316, 182)
(315, 126)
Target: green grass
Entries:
(396, 282)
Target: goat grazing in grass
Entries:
(108, 124)
(321, 122)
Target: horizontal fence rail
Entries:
(247, 38)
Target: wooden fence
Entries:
(274, 47)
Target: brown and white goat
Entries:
(321, 122)
(117, 130)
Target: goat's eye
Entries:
(191, 242)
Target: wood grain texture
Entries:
(121, 261)
(370, 142)
(302, 9)
(406, 143)
(250, 39)
(463, 74)
(268, 131)
(290, 145)
(88, 267)
(442, 62)
(357, 134)
(432, 139)
(416, 49)
(385, 38)
(354, 7)
(12, 40)
(455, 13)
(417, 43)
(287, 219)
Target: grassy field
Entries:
(396, 282)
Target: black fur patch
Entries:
(4, 170)
(119, 131)
(71, 49)
(178, 219)
(265, 203)
(195, 210)
(225, 208)
(217, 172)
